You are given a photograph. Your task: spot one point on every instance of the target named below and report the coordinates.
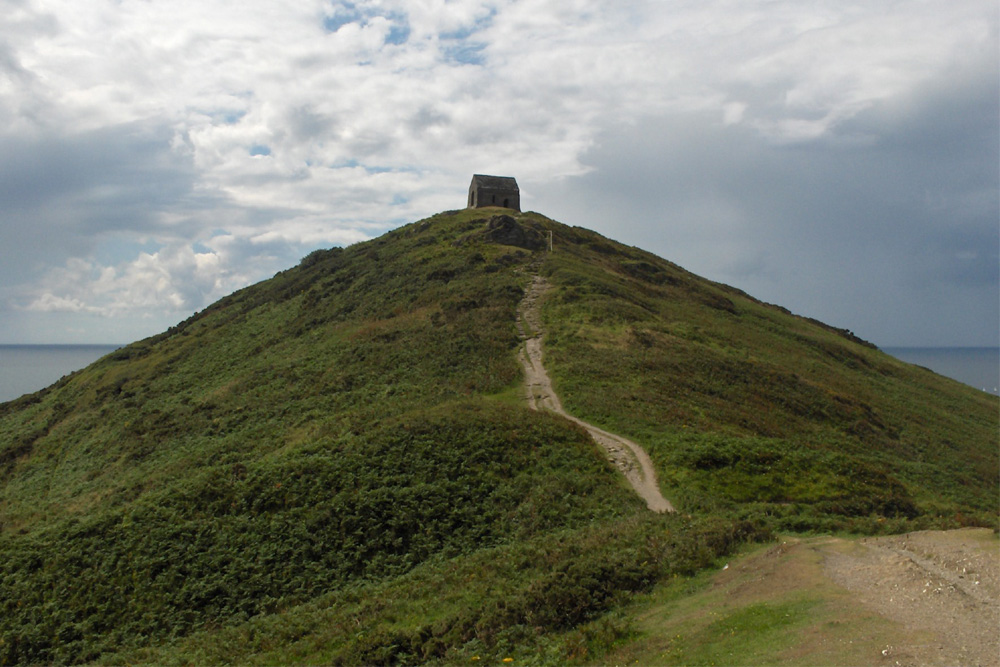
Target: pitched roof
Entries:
(499, 182)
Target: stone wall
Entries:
(494, 191)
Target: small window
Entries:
(506, 203)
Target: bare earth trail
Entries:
(922, 599)
(942, 587)
(626, 455)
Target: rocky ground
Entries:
(941, 585)
(919, 599)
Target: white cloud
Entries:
(309, 232)
(49, 302)
(287, 126)
(172, 279)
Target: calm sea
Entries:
(978, 367)
(28, 368)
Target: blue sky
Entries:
(837, 158)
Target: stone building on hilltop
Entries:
(494, 191)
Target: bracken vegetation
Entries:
(334, 466)
(753, 412)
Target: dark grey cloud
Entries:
(60, 193)
(888, 225)
(111, 198)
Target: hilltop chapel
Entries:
(494, 191)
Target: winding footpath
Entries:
(624, 454)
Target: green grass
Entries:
(738, 635)
(336, 465)
(746, 408)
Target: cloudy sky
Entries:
(838, 158)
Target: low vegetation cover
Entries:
(753, 412)
(335, 465)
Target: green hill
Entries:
(336, 465)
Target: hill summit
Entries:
(340, 464)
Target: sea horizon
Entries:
(29, 367)
(976, 366)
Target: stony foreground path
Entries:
(941, 586)
(624, 454)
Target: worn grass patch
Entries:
(771, 605)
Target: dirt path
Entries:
(941, 586)
(626, 455)
(915, 600)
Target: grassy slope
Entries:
(750, 410)
(320, 429)
(280, 470)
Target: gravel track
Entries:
(942, 585)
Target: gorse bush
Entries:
(548, 598)
(227, 545)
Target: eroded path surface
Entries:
(624, 454)
(943, 585)
(922, 599)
